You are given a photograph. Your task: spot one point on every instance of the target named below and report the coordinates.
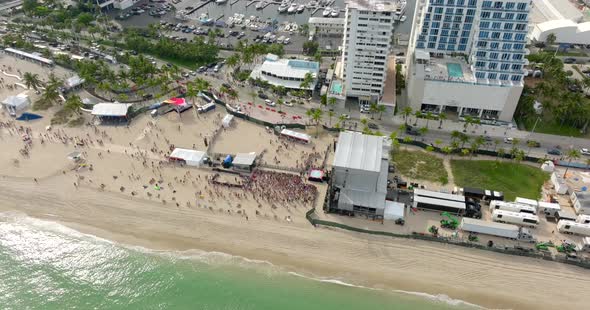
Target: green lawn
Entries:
(420, 165)
(511, 178)
(549, 127)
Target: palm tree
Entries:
(406, 112)
(429, 116)
(418, 115)
(32, 80)
(191, 91)
(571, 154)
(464, 139)
(201, 84)
(73, 103)
(330, 115)
(342, 119)
(381, 109)
(468, 121)
(437, 143)
(423, 130)
(496, 142)
(307, 80)
(280, 103)
(332, 101)
(447, 150)
(501, 153)
(316, 116)
(455, 135)
(441, 118)
(51, 94)
(519, 156)
(373, 109)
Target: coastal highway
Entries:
(10, 4)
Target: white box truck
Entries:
(583, 218)
(516, 218)
(571, 227)
(497, 229)
(512, 206)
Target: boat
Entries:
(292, 8)
(294, 27)
(403, 18)
(260, 5)
(300, 8)
(327, 11)
(288, 27)
(400, 10)
(283, 7)
(312, 4)
(335, 12)
(220, 1)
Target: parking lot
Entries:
(219, 18)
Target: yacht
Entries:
(400, 10)
(260, 5)
(300, 8)
(335, 12)
(292, 8)
(327, 11)
(220, 1)
(283, 7)
(312, 4)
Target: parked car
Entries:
(554, 152)
(509, 140)
(412, 131)
(262, 96)
(269, 103)
(345, 116)
(373, 126)
(569, 60)
(533, 143)
(585, 151)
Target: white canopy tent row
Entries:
(291, 134)
(111, 112)
(190, 157)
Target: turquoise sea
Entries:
(44, 265)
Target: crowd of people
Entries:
(281, 188)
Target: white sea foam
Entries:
(210, 258)
(441, 298)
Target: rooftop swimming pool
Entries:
(455, 70)
(336, 88)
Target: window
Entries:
(520, 27)
(505, 56)
(506, 46)
(493, 76)
(481, 54)
(507, 36)
(517, 56)
(487, 4)
(480, 75)
(499, 216)
(508, 26)
(493, 65)
(504, 67)
(521, 6)
(504, 77)
(521, 16)
(520, 37)
(496, 25)
(494, 45)
(462, 47)
(516, 67)
(442, 46)
(493, 55)
(529, 221)
(485, 15)
(480, 64)
(431, 45)
(510, 6)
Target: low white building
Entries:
(547, 10)
(16, 104)
(565, 31)
(288, 73)
(325, 26)
(359, 175)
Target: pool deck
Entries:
(437, 69)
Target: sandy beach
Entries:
(113, 195)
(488, 279)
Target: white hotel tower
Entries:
(367, 38)
(468, 57)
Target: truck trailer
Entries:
(524, 219)
(497, 229)
(512, 206)
(571, 227)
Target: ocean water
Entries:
(44, 265)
